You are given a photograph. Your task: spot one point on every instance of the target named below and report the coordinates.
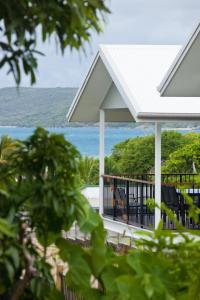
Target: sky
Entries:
(130, 22)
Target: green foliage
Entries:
(7, 146)
(160, 268)
(131, 159)
(110, 165)
(88, 170)
(69, 22)
(117, 150)
(171, 141)
(180, 152)
(137, 155)
(192, 137)
(184, 159)
(39, 197)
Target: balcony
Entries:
(125, 199)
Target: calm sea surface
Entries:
(86, 139)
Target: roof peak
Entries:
(178, 60)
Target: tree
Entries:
(88, 170)
(70, 22)
(192, 137)
(137, 155)
(160, 267)
(39, 198)
(184, 159)
(171, 141)
(118, 149)
(7, 145)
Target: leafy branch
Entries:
(70, 22)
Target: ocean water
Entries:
(86, 139)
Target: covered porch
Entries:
(124, 197)
(121, 86)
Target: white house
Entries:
(140, 83)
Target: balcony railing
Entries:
(170, 178)
(125, 198)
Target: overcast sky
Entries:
(131, 22)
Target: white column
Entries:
(157, 172)
(101, 157)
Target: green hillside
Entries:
(32, 107)
(47, 107)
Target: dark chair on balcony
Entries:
(173, 201)
(194, 194)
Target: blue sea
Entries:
(86, 139)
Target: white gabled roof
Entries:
(136, 71)
(183, 76)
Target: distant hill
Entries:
(47, 107)
(30, 107)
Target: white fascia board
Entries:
(118, 80)
(81, 89)
(165, 117)
(178, 60)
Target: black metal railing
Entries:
(171, 178)
(125, 198)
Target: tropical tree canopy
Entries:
(180, 154)
(7, 146)
(88, 170)
(137, 155)
(184, 160)
(70, 22)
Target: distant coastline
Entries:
(28, 107)
(86, 139)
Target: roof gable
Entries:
(91, 94)
(98, 91)
(113, 99)
(182, 78)
(135, 71)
